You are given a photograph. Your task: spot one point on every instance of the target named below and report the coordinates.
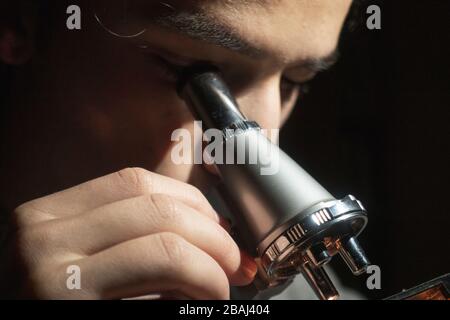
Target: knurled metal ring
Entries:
(239, 127)
(296, 233)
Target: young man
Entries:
(82, 105)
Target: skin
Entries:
(101, 104)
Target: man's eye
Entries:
(305, 88)
(168, 70)
(288, 87)
(166, 64)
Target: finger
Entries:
(125, 184)
(122, 221)
(154, 264)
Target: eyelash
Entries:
(169, 70)
(303, 87)
(172, 71)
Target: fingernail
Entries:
(248, 265)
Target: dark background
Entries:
(377, 126)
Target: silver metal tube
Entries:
(286, 219)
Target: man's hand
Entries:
(131, 233)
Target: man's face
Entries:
(117, 95)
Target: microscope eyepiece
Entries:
(209, 98)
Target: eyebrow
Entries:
(321, 64)
(200, 26)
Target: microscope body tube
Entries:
(269, 188)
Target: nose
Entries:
(261, 102)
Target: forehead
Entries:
(291, 30)
(288, 31)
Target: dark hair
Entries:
(11, 16)
(356, 15)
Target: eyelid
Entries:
(303, 87)
(169, 57)
(176, 60)
(293, 82)
(300, 79)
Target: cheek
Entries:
(148, 94)
(130, 106)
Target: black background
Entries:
(377, 126)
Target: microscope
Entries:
(283, 217)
